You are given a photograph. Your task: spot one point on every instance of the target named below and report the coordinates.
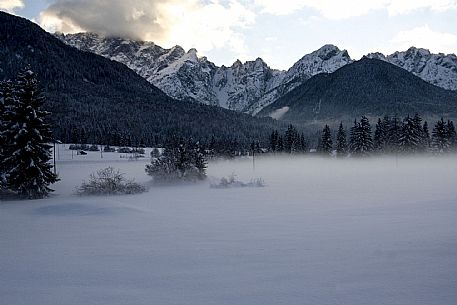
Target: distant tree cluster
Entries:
(291, 141)
(25, 138)
(391, 135)
(180, 160)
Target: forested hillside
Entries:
(368, 87)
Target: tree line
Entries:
(391, 135)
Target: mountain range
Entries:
(247, 87)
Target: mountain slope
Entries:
(366, 87)
(245, 87)
(90, 92)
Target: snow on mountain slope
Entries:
(437, 69)
(245, 87)
(250, 86)
(241, 85)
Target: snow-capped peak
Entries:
(438, 69)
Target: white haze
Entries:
(322, 231)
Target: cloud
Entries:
(11, 5)
(424, 37)
(190, 23)
(275, 7)
(407, 6)
(336, 9)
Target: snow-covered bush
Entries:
(231, 181)
(182, 161)
(109, 181)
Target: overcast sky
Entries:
(279, 31)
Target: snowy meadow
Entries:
(321, 231)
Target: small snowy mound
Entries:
(232, 182)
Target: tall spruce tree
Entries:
(418, 127)
(291, 139)
(367, 140)
(274, 140)
(303, 144)
(280, 147)
(28, 138)
(361, 143)
(425, 136)
(354, 137)
(451, 135)
(341, 141)
(410, 137)
(440, 140)
(326, 141)
(381, 134)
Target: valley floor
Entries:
(322, 232)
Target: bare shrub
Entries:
(109, 181)
(232, 182)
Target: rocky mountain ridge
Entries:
(246, 87)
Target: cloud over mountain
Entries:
(191, 22)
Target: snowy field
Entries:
(322, 232)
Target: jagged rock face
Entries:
(251, 86)
(437, 69)
(241, 85)
(245, 87)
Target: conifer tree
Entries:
(280, 147)
(326, 141)
(361, 141)
(341, 141)
(410, 136)
(425, 136)
(451, 135)
(274, 141)
(27, 135)
(440, 140)
(291, 139)
(419, 130)
(379, 136)
(303, 144)
(353, 137)
(200, 162)
(367, 140)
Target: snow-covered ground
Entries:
(323, 231)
